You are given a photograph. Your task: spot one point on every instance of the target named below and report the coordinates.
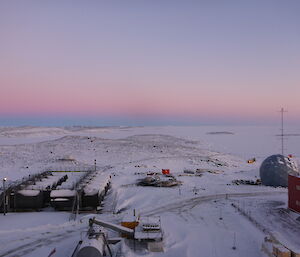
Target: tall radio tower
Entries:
(282, 111)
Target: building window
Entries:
(298, 203)
(298, 187)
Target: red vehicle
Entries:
(165, 171)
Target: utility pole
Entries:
(4, 197)
(234, 242)
(282, 111)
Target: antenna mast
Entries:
(282, 111)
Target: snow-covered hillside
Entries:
(198, 218)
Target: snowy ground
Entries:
(202, 224)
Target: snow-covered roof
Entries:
(73, 178)
(46, 182)
(96, 184)
(29, 192)
(62, 193)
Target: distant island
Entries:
(289, 135)
(220, 133)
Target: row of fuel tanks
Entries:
(87, 194)
(59, 189)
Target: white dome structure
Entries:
(275, 169)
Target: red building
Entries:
(294, 193)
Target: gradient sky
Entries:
(148, 62)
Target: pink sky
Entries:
(150, 60)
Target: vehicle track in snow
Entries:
(15, 249)
(31, 246)
(186, 203)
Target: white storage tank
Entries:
(92, 246)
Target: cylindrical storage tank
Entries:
(91, 247)
(62, 199)
(29, 199)
(46, 196)
(90, 201)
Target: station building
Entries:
(294, 193)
